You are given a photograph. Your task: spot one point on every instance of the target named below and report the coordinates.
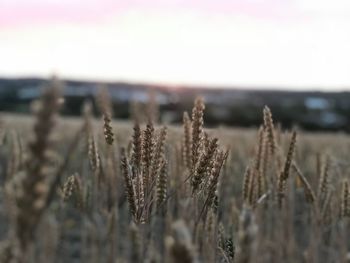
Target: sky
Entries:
(300, 44)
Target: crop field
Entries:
(93, 189)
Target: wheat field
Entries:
(92, 189)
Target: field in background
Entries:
(89, 189)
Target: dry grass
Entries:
(93, 190)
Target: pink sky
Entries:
(33, 12)
(300, 43)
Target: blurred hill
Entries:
(234, 106)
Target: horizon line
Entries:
(281, 88)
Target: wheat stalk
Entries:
(197, 130)
(31, 200)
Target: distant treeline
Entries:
(231, 107)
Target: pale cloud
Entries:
(324, 7)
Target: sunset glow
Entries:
(273, 43)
